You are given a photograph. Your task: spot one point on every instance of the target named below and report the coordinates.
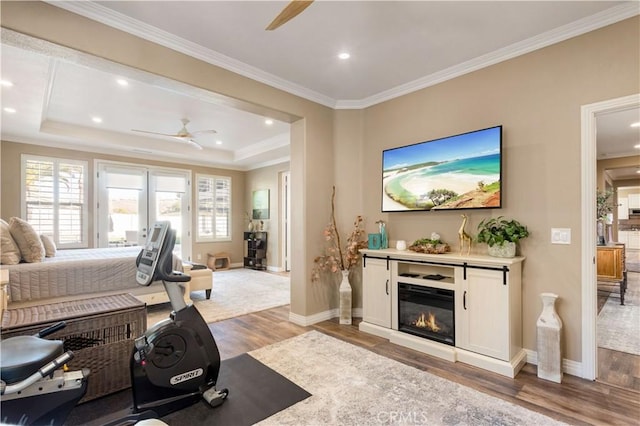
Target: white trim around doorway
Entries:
(589, 113)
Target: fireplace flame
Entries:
(428, 322)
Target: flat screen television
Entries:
(452, 173)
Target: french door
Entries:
(131, 198)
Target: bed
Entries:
(74, 274)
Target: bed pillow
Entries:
(9, 251)
(27, 239)
(49, 246)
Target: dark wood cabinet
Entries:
(255, 255)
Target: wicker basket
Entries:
(99, 331)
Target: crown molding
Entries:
(565, 32)
(124, 23)
(137, 28)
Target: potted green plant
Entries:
(501, 235)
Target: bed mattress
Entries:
(76, 272)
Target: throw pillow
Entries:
(9, 251)
(27, 239)
(49, 246)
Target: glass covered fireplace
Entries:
(426, 312)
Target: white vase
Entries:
(549, 331)
(345, 299)
(506, 249)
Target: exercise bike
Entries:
(34, 388)
(176, 362)
(173, 365)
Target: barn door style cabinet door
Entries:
(487, 316)
(376, 292)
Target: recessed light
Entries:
(218, 142)
(96, 120)
(268, 122)
(344, 55)
(6, 83)
(9, 110)
(122, 82)
(637, 124)
(637, 146)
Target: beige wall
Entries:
(536, 97)
(311, 130)
(10, 195)
(269, 178)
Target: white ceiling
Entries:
(395, 47)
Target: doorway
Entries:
(589, 115)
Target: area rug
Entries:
(353, 386)
(618, 326)
(235, 292)
(633, 266)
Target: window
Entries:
(214, 208)
(131, 197)
(55, 199)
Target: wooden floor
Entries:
(575, 401)
(614, 367)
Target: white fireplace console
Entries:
(487, 306)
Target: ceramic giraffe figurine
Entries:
(463, 236)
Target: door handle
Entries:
(386, 287)
(464, 300)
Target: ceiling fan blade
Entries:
(293, 9)
(194, 144)
(199, 132)
(153, 133)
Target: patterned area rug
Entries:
(619, 325)
(235, 292)
(353, 386)
(633, 266)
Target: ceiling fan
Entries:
(183, 134)
(293, 9)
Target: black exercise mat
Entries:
(255, 393)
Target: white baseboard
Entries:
(274, 269)
(313, 319)
(573, 368)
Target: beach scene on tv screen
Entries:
(456, 172)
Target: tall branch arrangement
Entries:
(336, 258)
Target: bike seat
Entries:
(21, 356)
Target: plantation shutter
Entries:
(214, 208)
(55, 199)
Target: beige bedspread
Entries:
(77, 272)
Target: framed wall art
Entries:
(261, 204)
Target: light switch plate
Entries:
(560, 235)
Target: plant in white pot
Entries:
(501, 235)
